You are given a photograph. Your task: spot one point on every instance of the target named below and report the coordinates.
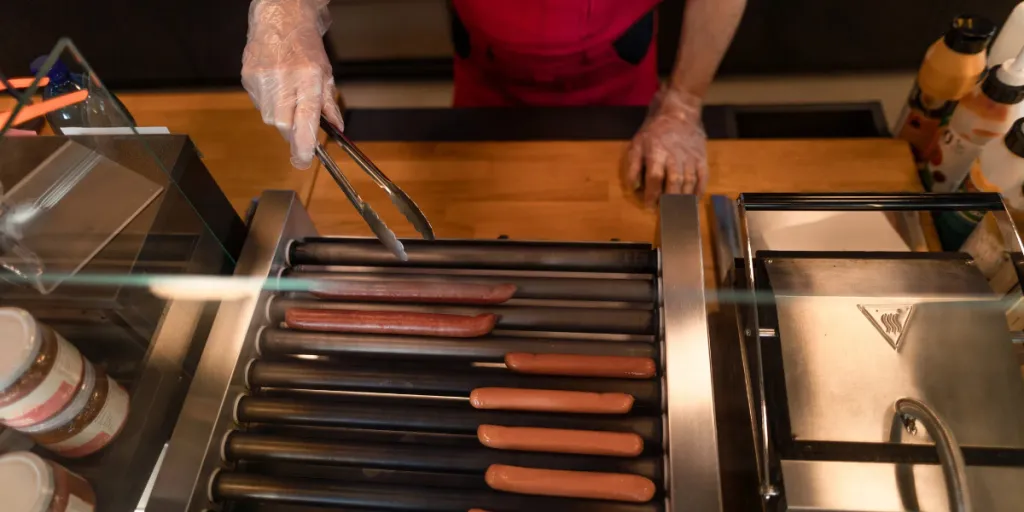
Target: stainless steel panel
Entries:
(874, 487)
(194, 451)
(694, 479)
(843, 375)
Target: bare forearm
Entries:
(708, 28)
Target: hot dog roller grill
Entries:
(876, 381)
(288, 421)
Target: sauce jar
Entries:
(39, 370)
(28, 483)
(96, 416)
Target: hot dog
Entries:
(570, 484)
(389, 322)
(414, 291)
(547, 400)
(620, 367)
(556, 440)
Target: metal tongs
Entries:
(404, 203)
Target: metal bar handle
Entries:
(951, 458)
(761, 201)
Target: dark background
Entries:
(136, 44)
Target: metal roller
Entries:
(579, 257)
(280, 469)
(418, 457)
(529, 285)
(529, 318)
(246, 487)
(457, 418)
(283, 341)
(437, 381)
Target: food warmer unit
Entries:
(279, 419)
(876, 381)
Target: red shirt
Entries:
(554, 52)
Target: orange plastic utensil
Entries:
(44, 107)
(23, 83)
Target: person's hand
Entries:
(669, 152)
(287, 73)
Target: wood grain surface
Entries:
(244, 155)
(571, 190)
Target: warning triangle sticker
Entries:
(891, 320)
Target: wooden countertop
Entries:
(571, 191)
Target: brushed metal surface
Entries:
(694, 479)
(193, 453)
(842, 376)
(874, 487)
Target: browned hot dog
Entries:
(547, 400)
(556, 440)
(570, 484)
(389, 322)
(620, 367)
(414, 291)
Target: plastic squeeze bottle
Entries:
(1000, 169)
(952, 66)
(1010, 38)
(982, 116)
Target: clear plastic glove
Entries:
(669, 151)
(287, 73)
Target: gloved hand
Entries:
(670, 149)
(286, 71)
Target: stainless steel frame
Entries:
(206, 417)
(819, 485)
(694, 474)
(195, 452)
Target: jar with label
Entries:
(98, 413)
(28, 483)
(39, 370)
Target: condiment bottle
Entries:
(982, 116)
(1000, 169)
(1010, 38)
(952, 66)
(39, 370)
(28, 483)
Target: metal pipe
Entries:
(422, 457)
(384, 414)
(508, 255)
(283, 341)
(637, 289)
(437, 380)
(249, 487)
(530, 318)
(951, 458)
(867, 202)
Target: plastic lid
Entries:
(969, 35)
(1014, 139)
(26, 482)
(1000, 91)
(19, 344)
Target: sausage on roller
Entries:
(556, 440)
(570, 484)
(620, 367)
(389, 322)
(547, 400)
(414, 291)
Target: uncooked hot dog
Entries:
(414, 291)
(556, 440)
(547, 400)
(620, 367)
(389, 322)
(570, 484)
